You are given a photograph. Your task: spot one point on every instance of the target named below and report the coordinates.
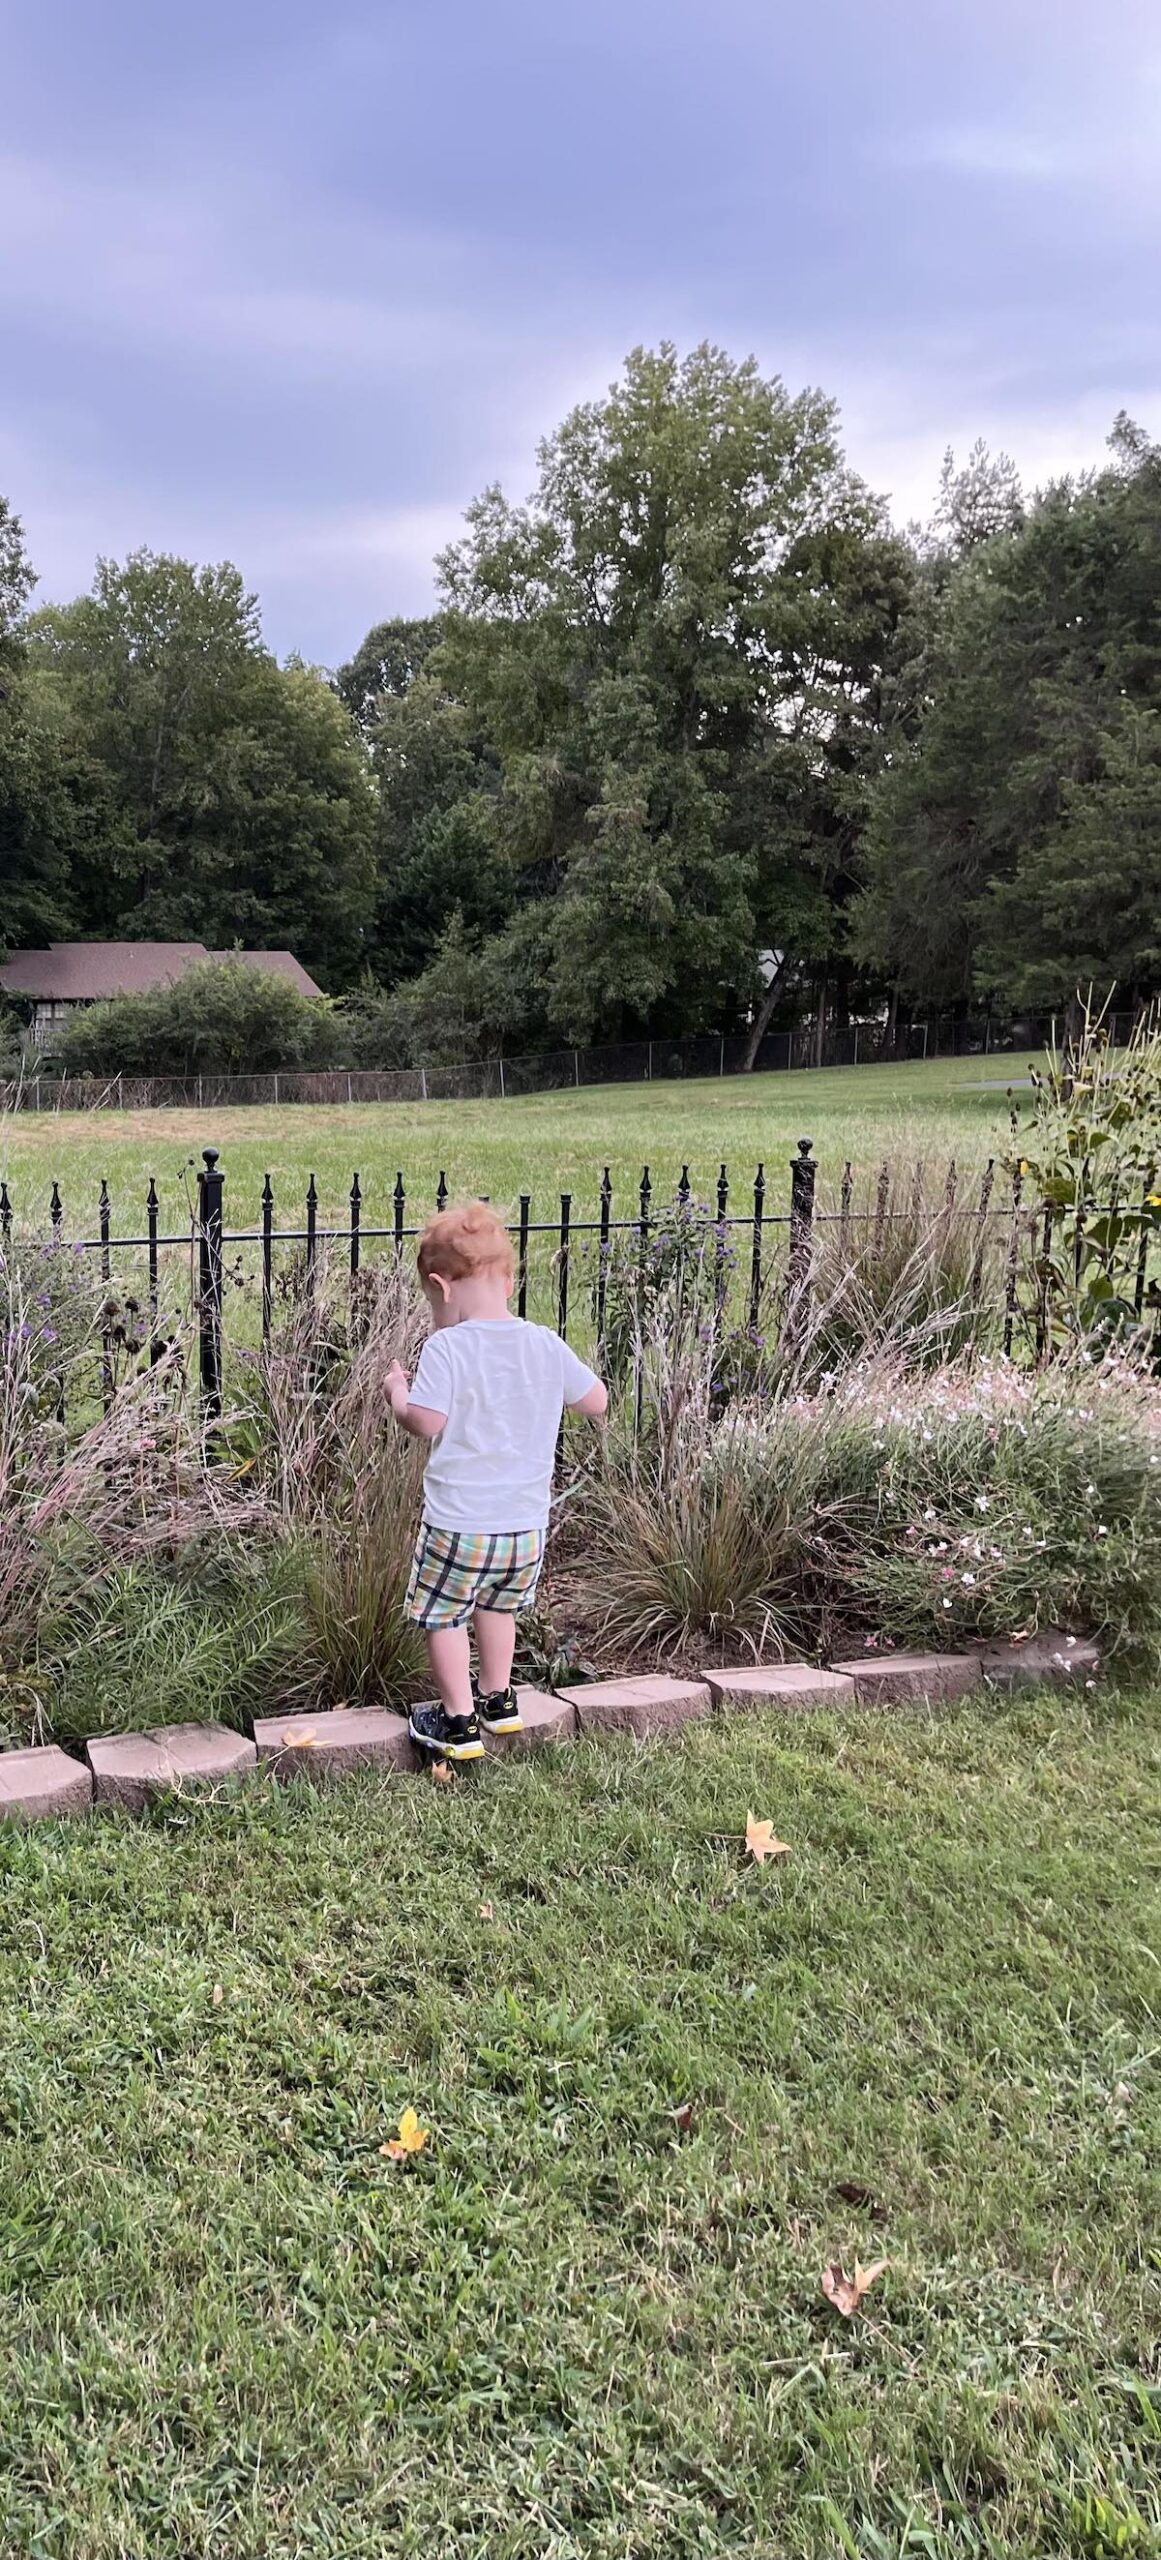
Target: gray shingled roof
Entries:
(82, 972)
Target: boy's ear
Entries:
(439, 1280)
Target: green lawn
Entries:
(231, 2330)
(544, 1143)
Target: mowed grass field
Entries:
(585, 2324)
(542, 1144)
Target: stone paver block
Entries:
(130, 1768)
(38, 1785)
(1050, 1657)
(783, 1685)
(651, 1704)
(325, 1746)
(545, 1719)
(887, 1679)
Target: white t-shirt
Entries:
(503, 1385)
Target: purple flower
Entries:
(47, 1334)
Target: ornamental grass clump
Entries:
(94, 1513)
(918, 1277)
(347, 1495)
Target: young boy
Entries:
(488, 1394)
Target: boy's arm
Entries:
(420, 1420)
(594, 1404)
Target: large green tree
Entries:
(1015, 840)
(386, 664)
(240, 801)
(38, 774)
(676, 648)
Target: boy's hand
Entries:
(398, 1387)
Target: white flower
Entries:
(947, 1604)
(969, 1579)
(981, 1502)
(1102, 1533)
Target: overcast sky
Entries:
(288, 281)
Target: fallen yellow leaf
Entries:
(760, 1840)
(846, 2292)
(410, 2138)
(300, 1741)
(217, 1995)
(486, 1911)
(441, 1775)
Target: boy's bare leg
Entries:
(450, 1655)
(495, 1634)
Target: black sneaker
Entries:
(500, 1712)
(446, 1737)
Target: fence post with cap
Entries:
(756, 1248)
(603, 1249)
(151, 1218)
(267, 1256)
(311, 1233)
(103, 1222)
(721, 1244)
(211, 1183)
(803, 1171)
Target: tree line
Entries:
(695, 739)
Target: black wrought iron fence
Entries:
(791, 1241)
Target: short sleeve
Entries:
(432, 1383)
(575, 1378)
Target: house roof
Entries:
(83, 972)
(277, 964)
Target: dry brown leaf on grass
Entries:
(683, 2116)
(410, 2138)
(300, 1741)
(760, 1840)
(441, 1775)
(846, 2292)
(486, 1911)
(217, 1995)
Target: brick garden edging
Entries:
(130, 1769)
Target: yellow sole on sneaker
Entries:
(442, 1749)
(504, 1724)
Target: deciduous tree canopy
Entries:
(695, 738)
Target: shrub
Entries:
(1089, 1160)
(220, 1018)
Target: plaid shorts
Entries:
(457, 1571)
